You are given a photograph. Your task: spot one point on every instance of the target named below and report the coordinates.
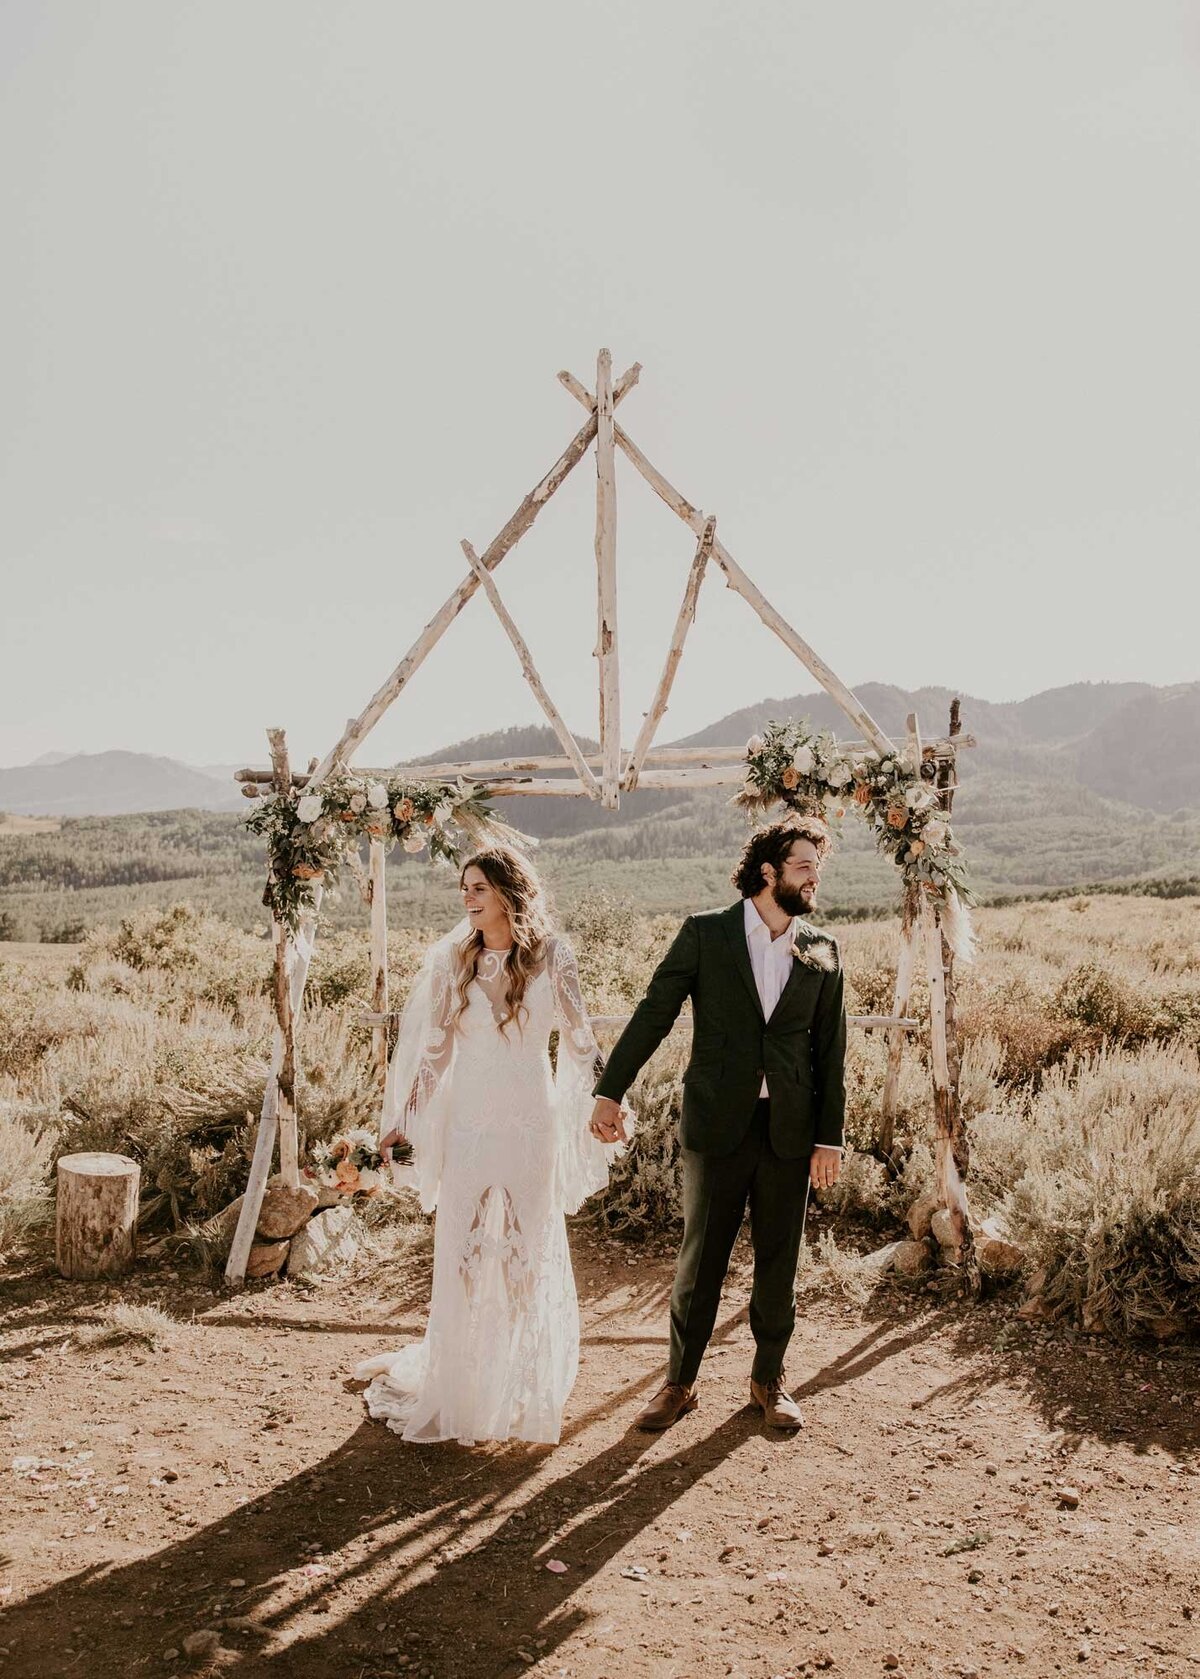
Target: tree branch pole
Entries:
(529, 670)
(904, 977)
(740, 583)
(606, 586)
(683, 623)
(377, 899)
(953, 1156)
(278, 1111)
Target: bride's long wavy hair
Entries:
(513, 880)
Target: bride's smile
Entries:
(485, 909)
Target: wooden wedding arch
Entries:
(603, 777)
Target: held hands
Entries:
(608, 1121)
(825, 1167)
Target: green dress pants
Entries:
(716, 1191)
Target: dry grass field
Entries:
(977, 1491)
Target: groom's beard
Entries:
(795, 902)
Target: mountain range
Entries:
(1129, 742)
(1125, 741)
(1095, 785)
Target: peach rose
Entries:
(347, 1176)
(790, 777)
(340, 1151)
(897, 816)
(403, 810)
(862, 795)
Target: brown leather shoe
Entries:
(778, 1407)
(672, 1401)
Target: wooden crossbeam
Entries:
(529, 670)
(740, 583)
(480, 769)
(683, 623)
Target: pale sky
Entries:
(285, 287)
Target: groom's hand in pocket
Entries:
(825, 1167)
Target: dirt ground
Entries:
(971, 1495)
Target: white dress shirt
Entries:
(771, 959)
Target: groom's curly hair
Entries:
(772, 845)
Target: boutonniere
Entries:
(820, 955)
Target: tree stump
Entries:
(96, 1215)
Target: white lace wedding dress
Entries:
(502, 1149)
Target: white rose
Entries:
(754, 744)
(358, 803)
(887, 766)
(368, 1178)
(414, 843)
(804, 760)
(935, 833)
(377, 795)
(309, 807)
(839, 775)
(913, 796)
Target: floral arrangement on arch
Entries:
(310, 835)
(350, 1162)
(789, 764)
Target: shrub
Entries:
(25, 1204)
(643, 1187)
(1108, 1194)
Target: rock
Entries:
(327, 1242)
(999, 1257)
(883, 1258)
(1036, 1284)
(941, 1229)
(285, 1210)
(198, 1646)
(912, 1258)
(327, 1196)
(1068, 1497)
(266, 1258)
(241, 1623)
(224, 1223)
(920, 1214)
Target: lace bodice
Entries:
(553, 997)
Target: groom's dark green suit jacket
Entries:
(801, 1049)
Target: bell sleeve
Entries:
(582, 1161)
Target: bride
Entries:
(503, 1148)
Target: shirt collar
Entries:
(756, 927)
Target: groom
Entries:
(763, 1101)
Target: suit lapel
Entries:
(798, 968)
(735, 930)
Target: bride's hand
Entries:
(394, 1136)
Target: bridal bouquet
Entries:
(350, 1162)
